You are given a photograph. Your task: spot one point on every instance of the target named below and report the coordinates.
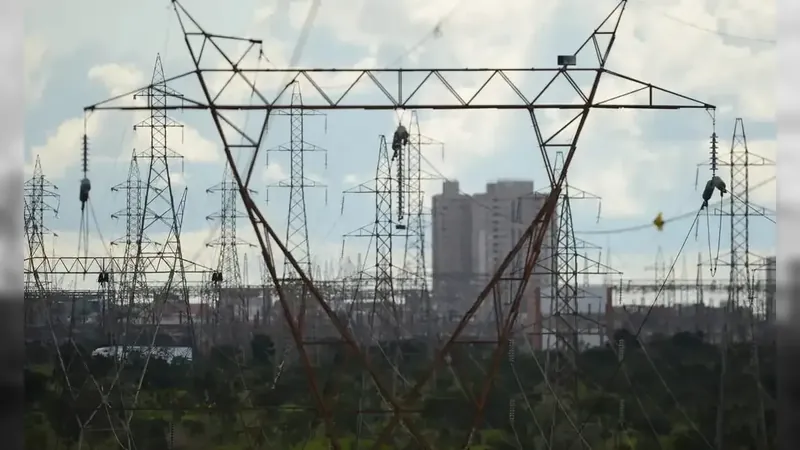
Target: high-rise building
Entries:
(770, 303)
(473, 234)
(451, 239)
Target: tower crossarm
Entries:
(400, 94)
(678, 285)
(106, 264)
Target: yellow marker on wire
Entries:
(659, 222)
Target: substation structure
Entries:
(392, 393)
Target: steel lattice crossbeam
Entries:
(401, 94)
(106, 264)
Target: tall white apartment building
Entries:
(472, 235)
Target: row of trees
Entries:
(662, 396)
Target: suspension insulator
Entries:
(714, 153)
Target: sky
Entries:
(638, 162)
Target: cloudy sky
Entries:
(639, 162)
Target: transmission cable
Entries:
(670, 392)
(682, 216)
(645, 226)
(655, 10)
(638, 333)
(751, 207)
(714, 260)
(433, 33)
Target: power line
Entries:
(687, 215)
(640, 227)
(657, 10)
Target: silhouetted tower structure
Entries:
(162, 212)
(298, 182)
(384, 320)
(132, 214)
(228, 278)
(740, 211)
(40, 197)
(563, 264)
(417, 305)
(382, 313)
(662, 276)
(744, 305)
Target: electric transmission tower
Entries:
(132, 214)
(232, 306)
(298, 182)
(740, 212)
(161, 211)
(41, 197)
(416, 293)
(564, 260)
(383, 314)
(745, 306)
(569, 322)
(297, 224)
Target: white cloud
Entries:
(118, 79)
(617, 192)
(62, 147)
(701, 62)
(179, 178)
(274, 173)
(264, 13)
(35, 79)
(187, 141)
(61, 150)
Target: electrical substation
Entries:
(478, 308)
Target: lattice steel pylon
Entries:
(40, 197)
(741, 211)
(232, 307)
(661, 275)
(564, 264)
(380, 319)
(162, 212)
(416, 293)
(568, 323)
(132, 214)
(583, 98)
(296, 219)
(744, 306)
(298, 182)
(383, 313)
